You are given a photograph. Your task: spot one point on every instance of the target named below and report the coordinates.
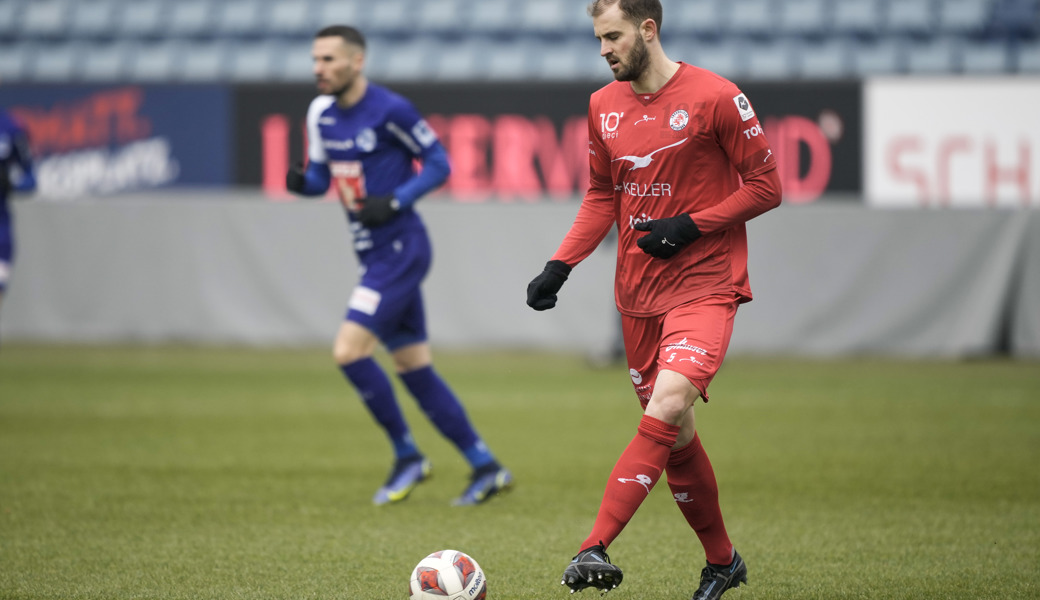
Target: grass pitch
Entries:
(184, 473)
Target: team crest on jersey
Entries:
(366, 140)
(746, 112)
(679, 120)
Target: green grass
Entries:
(169, 473)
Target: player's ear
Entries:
(648, 29)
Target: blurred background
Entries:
(907, 135)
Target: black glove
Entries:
(541, 292)
(667, 236)
(376, 210)
(294, 179)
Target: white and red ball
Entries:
(448, 575)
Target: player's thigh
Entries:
(695, 337)
(353, 342)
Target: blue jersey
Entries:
(15, 173)
(371, 149)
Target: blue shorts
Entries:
(6, 252)
(388, 300)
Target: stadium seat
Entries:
(696, 17)
(154, 62)
(141, 19)
(803, 17)
(46, 18)
(255, 61)
(107, 61)
(58, 64)
(205, 61)
(290, 17)
(440, 17)
(751, 17)
(1028, 59)
(829, 59)
(296, 64)
(239, 17)
(773, 60)
(725, 58)
(92, 18)
(390, 17)
(459, 60)
(932, 57)
(545, 17)
(963, 16)
(573, 59)
(985, 57)
(338, 12)
(910, 16)
(407, 60)
(882, 57)
(858, 16)
(190, 18)
(14, 59)
(491, 17)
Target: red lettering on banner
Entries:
(896, 150)
(515, 142)
(787, 135)
(1018, 175)
(100, 119)
(274, 148)
(947, 148)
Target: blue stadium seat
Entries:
(390, 17)
(45, 18)
(1028, 58)
(107, 61)
(296, 64)
(204, 61)
(406, 60)
(932, 57)
(697, 17)
(141, 19)
(547, 17)
(985, 57)
(829, 59)
(255, 61)
(803, 17)
(58, 64)
(459, 59)
(239, 17)
(751, 17)
(154, 62)
(771, 60)
(491, 17)
(92, 18)
(910, 16)
(440, 17)
(290, 18)
(190, 18)
(858, 16)
(881, 57)
(14, 60)
(338, 12)
(724, 57)
(963, 16)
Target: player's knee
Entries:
(344, 354)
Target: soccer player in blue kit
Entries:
(16, 173)
(363, 140)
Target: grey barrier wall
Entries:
(829, 280)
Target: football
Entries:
(448, 575)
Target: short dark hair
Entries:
(637, 11)
(349, 34)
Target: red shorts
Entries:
(690, 339)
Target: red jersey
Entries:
(685, 149)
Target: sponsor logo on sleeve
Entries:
(746, 112)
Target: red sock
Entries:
(633, 477)
(692, 481)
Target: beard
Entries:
(637, 63)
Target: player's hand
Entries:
(541, 292)
(376, 210)
(667, 236)
(294, 179)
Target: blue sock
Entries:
(378, 395)
(446, 413)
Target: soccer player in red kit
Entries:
(678, 163)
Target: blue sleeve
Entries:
(435, 171)
(418, 137)
(27, 180)
(316, 179)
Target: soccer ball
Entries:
(448, 575)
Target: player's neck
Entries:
(354, 93)
(660, 71)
